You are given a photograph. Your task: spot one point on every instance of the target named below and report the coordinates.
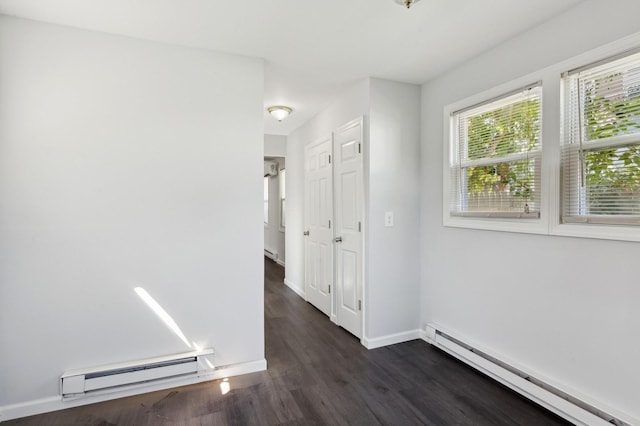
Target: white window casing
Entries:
(566, 206)
(493, 165)
(600, 161)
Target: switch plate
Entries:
(388, 219)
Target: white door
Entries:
(348, 226)
(318, 218)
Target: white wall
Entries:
(275, 146)
(274, 235)
(565, 308)
(392, 257)
(391, 113)
(110, 178)
(354, 103)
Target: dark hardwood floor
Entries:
(318, 374)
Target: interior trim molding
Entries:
(55, 403)
(299, 291)
(390, 339)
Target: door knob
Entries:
(337, 239)
(305, 233)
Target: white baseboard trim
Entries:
(390, 339)
(280, 262)
(424, 336)
(54, 403)
(299, 291)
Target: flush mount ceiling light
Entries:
(279, 112)
(407, 3)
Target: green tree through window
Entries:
(498, 147)
(601, 157)
(612, 175)
(498, 133)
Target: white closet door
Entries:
(348, 226)
(318, 220)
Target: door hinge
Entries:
(359, 148)
(359, 305)
(329, 159)
(329, 224)
(329, 288)
(359, 226)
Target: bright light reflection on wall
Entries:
(225, 386)
(164, 316)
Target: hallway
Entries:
(318, 374)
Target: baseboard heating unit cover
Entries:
(271, 254)
(76, 383)
(563, 404)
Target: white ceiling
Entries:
(312, 48)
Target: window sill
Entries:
(492, 223)
(597, 231)
(528, 226)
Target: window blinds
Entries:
(601, 143)
(496, 156)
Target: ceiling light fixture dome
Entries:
(279, 112)
(407, 3)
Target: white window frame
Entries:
(572, 145)
(501, 222)
(589, 230)
(550, 202)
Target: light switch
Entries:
(388, 219)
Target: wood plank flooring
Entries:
(318, 374)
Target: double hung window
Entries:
(495, 157)
(601, 143)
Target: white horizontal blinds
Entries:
(601, 147)
(496, 156)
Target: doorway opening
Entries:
(275, 176)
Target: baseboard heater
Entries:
(561, 403)
(76, 383)
(271, 255)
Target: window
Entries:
(601, 143)
(283, 176)
(495, 156)
(266, 200)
